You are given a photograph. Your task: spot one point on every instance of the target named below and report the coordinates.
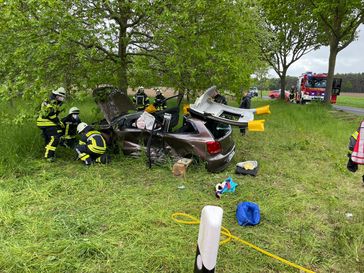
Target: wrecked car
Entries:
(205, 133)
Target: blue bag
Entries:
(247, 214)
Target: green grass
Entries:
(64, 217)
(346, 100)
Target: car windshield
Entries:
(316, 83)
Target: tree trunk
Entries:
(122, 75)
(283, 84)
(330, 75)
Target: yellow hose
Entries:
(229, 237)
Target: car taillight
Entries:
(213, 147)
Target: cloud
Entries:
(349, 60)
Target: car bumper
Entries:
(306, 97)
(220, 162)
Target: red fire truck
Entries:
(311, 87)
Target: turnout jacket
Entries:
(141, 101)
(357, 154)
(159, 102)
(70, 123)
(93, 140)
(49, 111)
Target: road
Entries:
(356, 111)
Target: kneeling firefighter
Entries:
(70, 122)
(92, 146)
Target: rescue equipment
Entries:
(256, 125)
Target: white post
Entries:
(208, 239)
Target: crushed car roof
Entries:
(115, 103)
(206, 108)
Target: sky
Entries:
(349, 60)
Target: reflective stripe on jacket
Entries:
(357, 155)
(95, 142)
(48, 114)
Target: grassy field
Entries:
(351, 99)
(64, 217)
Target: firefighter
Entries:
(140, 99)
(245, 104)
(92, 146)
(49, 122)
(219, 98)
(355, 152)
(291, 93)
(70, 130)
(159, 102)
(246, 101)
(352, 166)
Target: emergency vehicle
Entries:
(311, 87)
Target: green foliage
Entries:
(292, 32)
(63, 217)
(338, 19)
(338, 22)
(352, 82)
(80, 44)
(203, 43)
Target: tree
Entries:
(185, 44)
(204, 43)
(292, 33)
(339, 21)
(94, 40)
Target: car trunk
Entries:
(222, 133)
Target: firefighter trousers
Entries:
(51, 135)
(88, 157)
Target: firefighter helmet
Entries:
(74, 110)
(60, 92)
(140, 89)
(158, 91)
(81, 127)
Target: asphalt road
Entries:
(356, 111)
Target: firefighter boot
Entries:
(352, 166)
(104, 159)
(85, 158)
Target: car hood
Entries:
(112, 102)
(205, 107)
